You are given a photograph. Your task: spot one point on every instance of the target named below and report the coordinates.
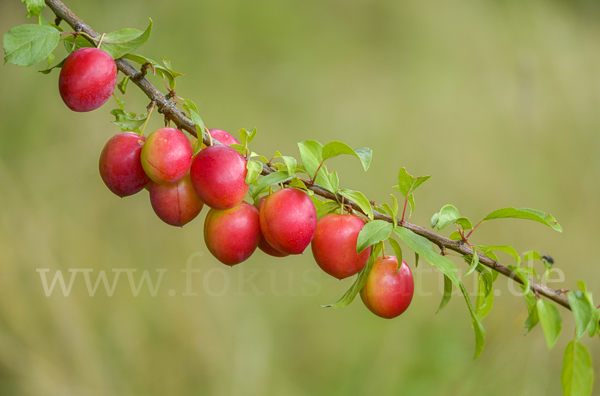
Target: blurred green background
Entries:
(498, 100)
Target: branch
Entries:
(169, 109)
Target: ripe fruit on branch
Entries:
(223, 136)
(232, 235)
(167, 155)
(288, 220)
(87, 79)
(388, 293)
(177, 203)
(263, 244)
(120, 166)
(219, 176)
(334, 245)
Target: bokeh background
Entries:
(498, 100)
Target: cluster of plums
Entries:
(181, 183)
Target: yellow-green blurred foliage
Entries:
(498, 100)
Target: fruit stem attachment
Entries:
(152, 105)
(210, 141)
(382, 249)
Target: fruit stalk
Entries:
(169, 109)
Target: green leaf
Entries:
(416, 259)
(550, 320)
(503, 248)
(26, 45)
(449, 215)
(527, 214)
(435, 219)
(334, 179)
(474, 262)
(311, 155)
(485, 295)
(391, 212)
(407, 183)
(455, 236)
(360, 199)
(477, 326)
(533, 318)
(57, 66)
(397, 251)
(577, 376)
(582, 310)
(447, 293)
(290, 162)
(127, 121)
(269, 180)
(192, 110)
(254, 168)
(356, 287)
(373, 232)
(335, 148)
(247, 137)
(124, 41)
(326, 208)
(123, 85)
(425, 249)
(595, 318)
(34, 7)
(163, 72)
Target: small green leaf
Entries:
(326, 208)
(163, 72)
(334, 179)
(503, 248)
(356, 287)
(192, 109)
(397, 251)
(269, 180)
(311, 155)
(26, 45)
(335, 148)
(394, 208)
(34, 7)
(527, 214)
(124, 41)
(373, 232)
(455, 236)
(577, 376)
(57, 66)
(407, 183)
(127, 121)
(435, 219)
(447, 216)
(391, 212)
(123, 85)
(582, 310)
(425, 249)
(290, 162)
(533, 318)
(416, 259)
(474, 262)
(477, 326)
(247, 137)
(485, 295)
(254, 168)
(360, 199)
(550, 320)
(447, 294)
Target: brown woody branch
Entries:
(169, 109)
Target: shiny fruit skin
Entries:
(167, 155)
(334, 245)
(223, 137)
(288, 220)
(219, 176)
(388, 294)
(176, 203)
(120, 165)
(87, 79)
(263, 244)
(232, 235)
